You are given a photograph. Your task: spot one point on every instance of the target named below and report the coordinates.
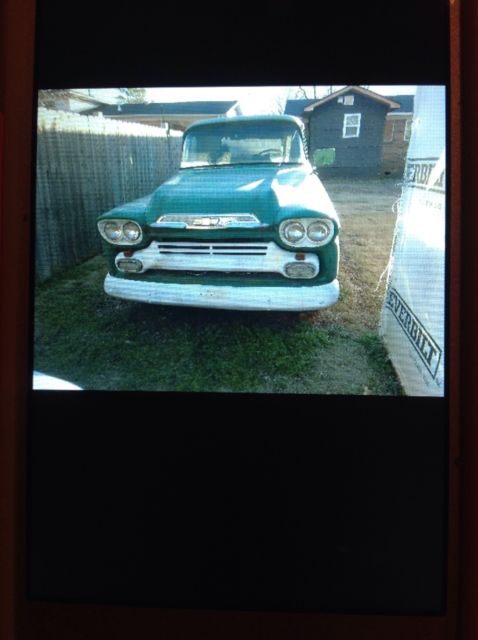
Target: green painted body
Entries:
(271, 191)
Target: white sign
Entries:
(413, 314)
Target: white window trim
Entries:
(346, 116)
(407, 129)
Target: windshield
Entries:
(242, 142)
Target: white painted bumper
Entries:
(225, 297)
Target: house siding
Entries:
(360, 156)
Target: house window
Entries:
(348, 101)
(351, 125)
(408, 130)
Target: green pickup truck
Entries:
(244, 224)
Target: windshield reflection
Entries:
(236, 143)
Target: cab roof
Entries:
(247, 119)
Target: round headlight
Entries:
(131, 231)
(294, 232)
(112, 231)
(318, 231)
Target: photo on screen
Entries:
(266, 240)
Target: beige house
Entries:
(78, 100)
(172, 115)
(398, 127)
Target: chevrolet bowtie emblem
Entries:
(207, 222)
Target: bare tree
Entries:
(302, 93)
(134, 95)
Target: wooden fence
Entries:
(87, 165)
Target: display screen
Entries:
(240, 363)
(281, 239)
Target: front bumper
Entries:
(307, 298)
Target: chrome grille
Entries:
(213, 248)
(226, 257)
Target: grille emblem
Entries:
(209, 222)
(221, 221)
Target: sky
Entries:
(186, 94)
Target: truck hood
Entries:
(261, 189)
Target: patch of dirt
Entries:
(367, 216)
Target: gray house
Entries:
(346, 131)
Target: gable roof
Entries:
(295, 107)
(356, 89)
(406, 103)
(170, 108)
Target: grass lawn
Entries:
(98, 342)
